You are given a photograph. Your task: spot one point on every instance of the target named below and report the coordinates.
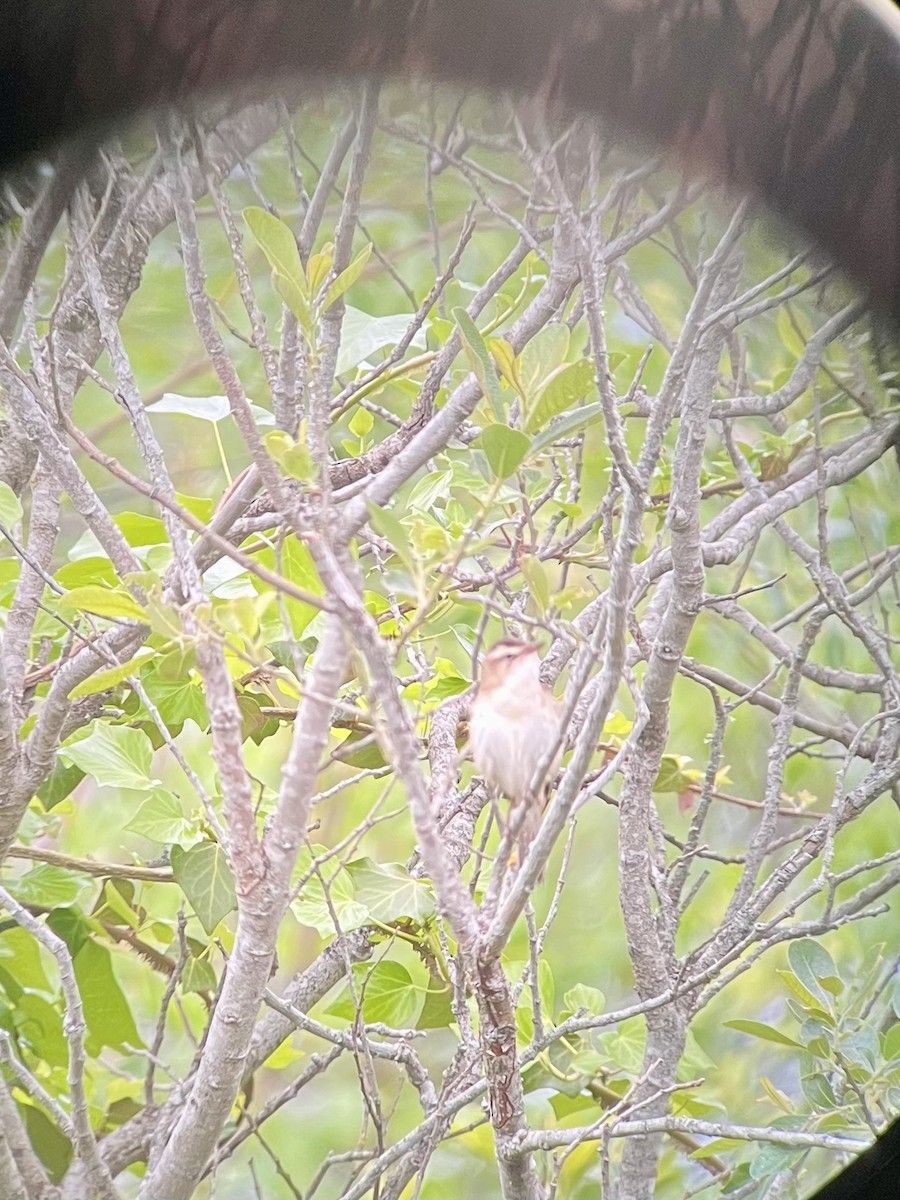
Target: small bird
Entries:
(514, 722)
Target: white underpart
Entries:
(510, 733)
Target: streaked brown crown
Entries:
(502, 657)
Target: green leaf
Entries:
(481, 361)
(758, 1030)
(294, 298)
(283, 1056)
(363, 756)
(292, 456)
(861, 1048)
(566, 426)
(296, 564)
(115, 755)
(545, 352)
(361, 423)
(312, 908)
(818, 1091)
(198, 976)
(205, 408)
(203, 874)
(140, 530)
(504, 448)
(890, 1042)
(694, 1061)
(278, 243)
(363, 334)
(717, 1146)
(814, 967)
(588, 1061)
(569, 596)
(674, 775)
(202, 507)
(86, 570)
(343, 1006)
(617, 725)
(388, 995)
(433, 486)
(687, 1104)
(389, 892)
(52, 1147)
(280, 248)
(772, 1158)
(48, 887)
(106, 1011)
(816, 1032)
(564, 1105)
(625, 1045)
(103, 602)
(104, 680)
(738, 1179)
(160, 818)
(19, 951)
(60, 783)
(72, 926)
(177, 699)
(347, 277)
(10, 507)
(318, 266)
(446, 686)
(583, 996)
(807, 999)
(447, 680)
(385, 523)
(505, 359)
(546, 986)
(562, 389)
(211, 409)
(536, 578)
(786, 323)
(39, 1023)
(118, 896)
(437, 1011)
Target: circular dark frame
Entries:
(797, 101)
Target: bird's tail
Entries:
(530, 817)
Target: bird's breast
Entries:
(507, 748)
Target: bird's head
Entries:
(508, 661)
